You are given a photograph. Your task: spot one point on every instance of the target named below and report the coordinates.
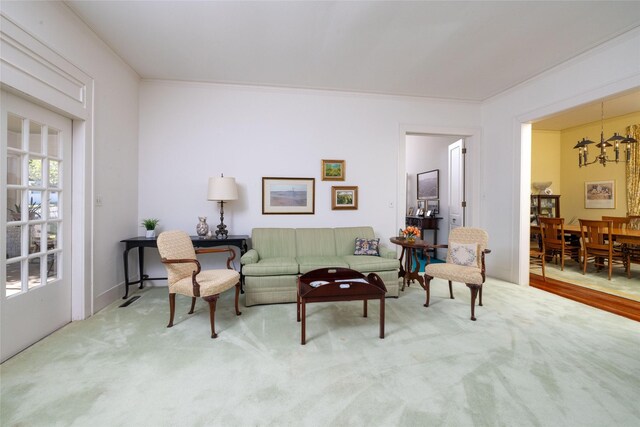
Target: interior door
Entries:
(456, 184)
(35, 188)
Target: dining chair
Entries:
(465, 263)
(555, 244)
(186, 277)
(632, 247)
(537, 257)
(597, 244)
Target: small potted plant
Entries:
(150, 225)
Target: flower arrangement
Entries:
(411, 232)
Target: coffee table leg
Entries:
(298, 307)
(365, 307)
(303, 339)
(382, 317)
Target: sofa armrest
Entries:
(251, 257)
(387, 253)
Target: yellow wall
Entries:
(545, 159)
(572, 177)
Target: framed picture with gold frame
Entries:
(333, 170)
(344, 198)
(288, 196)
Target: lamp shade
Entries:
(222, 188)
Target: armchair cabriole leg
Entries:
(427, 287)
(193, 305)
(480, 292)
(172, 309)
(238, 289)
(474, 293)
(450, 290)
(212, 299)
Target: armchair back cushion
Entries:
(177, 245)
(469, 235)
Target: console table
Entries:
(425, 223)
(151, 242)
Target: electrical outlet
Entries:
(98, 200)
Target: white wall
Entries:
(114, 174)
(505, 190)
(190, 131)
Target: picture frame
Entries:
(333, 170)
(420, 212)
(410, 211)
(344, 198)
(433, 206)
(428, 214)
(429, 185)
(421, 204)
(600, 194)
(288, 196)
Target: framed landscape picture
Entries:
(429, 185)
(333, 170)
(344, 198)
(288, 196)
(600, 194)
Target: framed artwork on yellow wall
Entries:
(600, 194)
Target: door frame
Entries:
(64, 88)
(473, 167)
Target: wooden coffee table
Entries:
(338, 284)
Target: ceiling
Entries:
(456, 50)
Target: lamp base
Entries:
(221, 232)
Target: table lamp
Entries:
(222, 189)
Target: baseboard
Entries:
(601, 300)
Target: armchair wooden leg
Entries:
(450, 290)
(193, 305)
(474, 292)
(480, 294)
(238, 313)
(172, 309)
(427, 287)
(212, 299)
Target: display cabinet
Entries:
(544, 205)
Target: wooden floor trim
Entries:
(611, 303)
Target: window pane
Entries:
(35, 278)
(54, 166)
(35, 205)
(14, 278)
(14, 241)
(14, 205)
(35, 172)
(52, 267)
(52, 236)
(35, 137)
(35, 237)
(53, 204)
(53, 143)
(14, 131)
(14, 169)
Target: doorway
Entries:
(36, 259)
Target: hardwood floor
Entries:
(611, 303)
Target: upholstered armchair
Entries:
(186, 277)
(465, 263)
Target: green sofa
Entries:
(279, 255)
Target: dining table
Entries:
(627, 235)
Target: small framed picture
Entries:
(429, 214)
(600, 195)
(333, 170)
(433, 206)
(410, 211)
(419, 212)
(421, 204)
(344, 198)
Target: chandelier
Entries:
(603, 156)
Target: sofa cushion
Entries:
(315, 242)
(367, 247)
(346, 236)
(368, 263)
(274, 242)
(271, 267)
(308, 263)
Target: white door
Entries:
(456, 184)
(35, 221)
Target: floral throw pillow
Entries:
(463, 254)
(367, 246)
